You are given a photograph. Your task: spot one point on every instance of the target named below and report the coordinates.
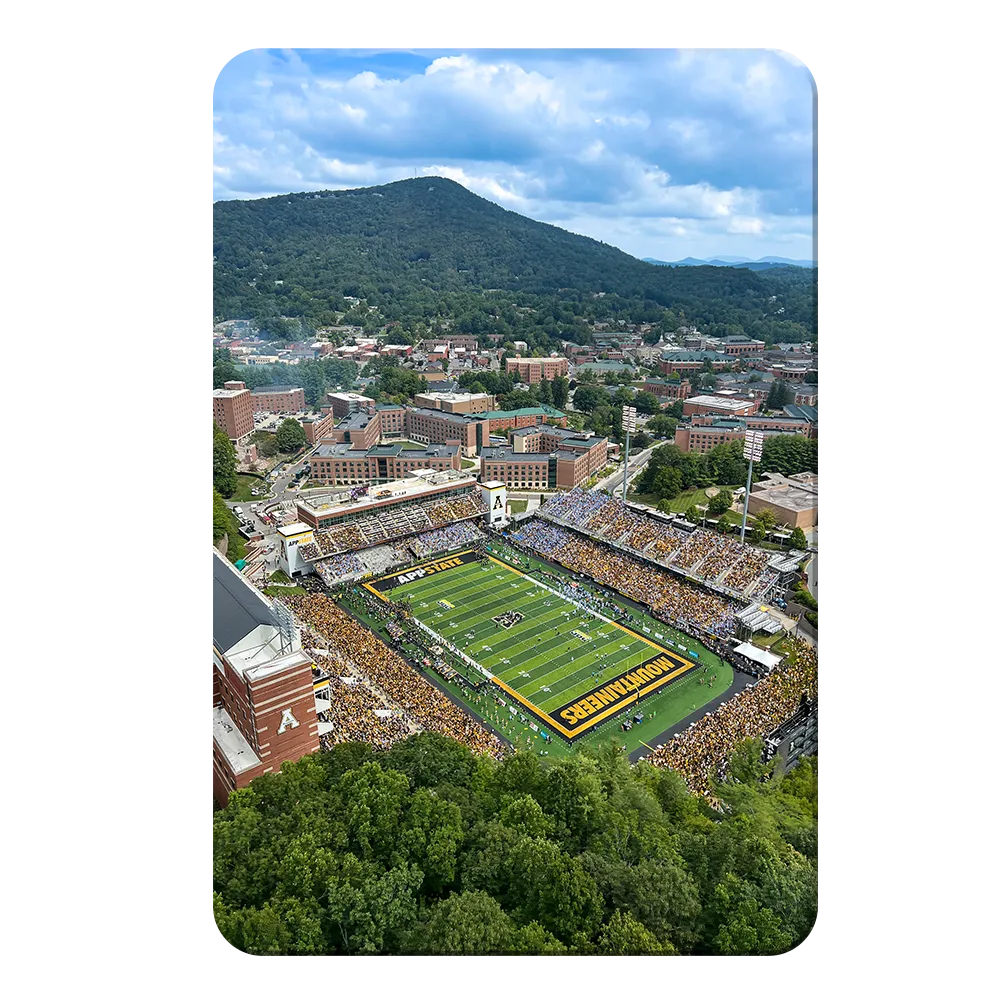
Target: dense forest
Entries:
(427, 252)
(427, 848)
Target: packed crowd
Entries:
(668, 597)
(392, 523)
(338, 568)
(700, 753)
(422, 703)
(443, 539)
(352, 715)
(381, 558)
(721, 560)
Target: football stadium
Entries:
(568, 664)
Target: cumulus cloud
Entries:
(660, 152)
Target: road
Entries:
(635, 464)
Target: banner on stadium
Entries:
(386, 583)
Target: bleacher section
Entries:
(445, 539)
(392, 523)
(720, 561)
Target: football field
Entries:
(569, 667)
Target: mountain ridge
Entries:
(428, 248)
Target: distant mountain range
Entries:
(762, 264)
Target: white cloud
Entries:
(746, 224)
(695, 145)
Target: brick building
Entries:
(692, 361)
(702, 438)
(343, 463)
(278, 399)
(317, 425)
(741, 345)
(532, 370)
(722, 405)
(544, 458)
(343, 404)
(456, 402)
(665, 389)
(232, 410)
(263, 700)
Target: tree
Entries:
(790, 454)
(223, 462)
(560, 391)
(517, 399)
(752, 930)
(290, 435)
(676, 409)
(624, 935)
(757, 533)
(641, 440)
(798, 539)
(587, 377)
(588, 398)
(222, 518)
(667, 483)
(766, 519)
(661, 426)
(646, 402)
(720, 503)
(467, 923)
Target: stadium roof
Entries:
(237, 608)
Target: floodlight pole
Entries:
(625, 480)
(746, 500)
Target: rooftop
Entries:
(261, 390)
(336, 501)
(232, 743)
(237, 608)
(719, 401)
(808, 413)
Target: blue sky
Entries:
(663, 153)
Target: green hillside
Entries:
(426, 250)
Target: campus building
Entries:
(456, 402)
(263, 685)
(794, 500)
(666, 390)
(692, 361)
(532, 370)
(545, 458)
(344, 463)
(343, 404)
(278, 399)
(740, 345)
(232, 410)
(723, 405)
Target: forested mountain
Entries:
(427, 250)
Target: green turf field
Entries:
(555, 654)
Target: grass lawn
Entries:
(468, 464)
(412, 446)
(244, 484)
(517, 506)
(283, 591)
(556, 654)
(280, 576)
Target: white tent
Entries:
(758, 655)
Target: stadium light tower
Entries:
(628, 425)
(753, 451)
